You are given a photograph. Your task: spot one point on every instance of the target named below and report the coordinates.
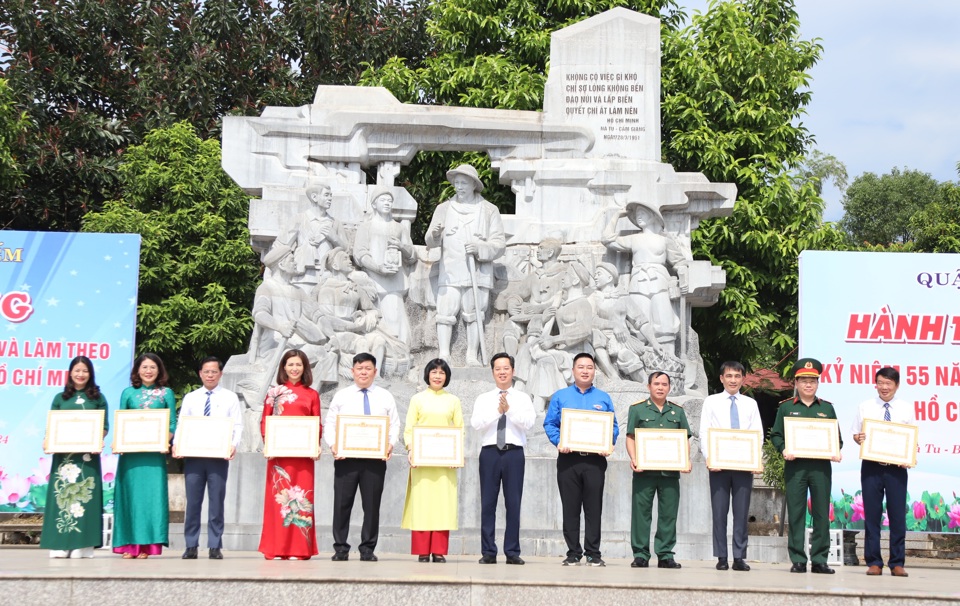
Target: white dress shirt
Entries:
(520, 417)
(715, 413)
(349, 401)
(223, 403)
(901, 411)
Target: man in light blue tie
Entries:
(350, 474)
(201, 473)
(879, 479)
(729, 409)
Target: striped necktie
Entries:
(886, 411)
(206, 406)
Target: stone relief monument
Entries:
(595, 258)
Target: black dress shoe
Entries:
(722, 564)
(821, 569)
(215, 553)
(425, 558)
(798, 567)
(488, 559)
(671, 563)
(639, 563)
(439, 559)
(367, 557)
(515, 560)
(190, 553)
(340, 556)
(739, 564)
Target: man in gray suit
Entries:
(729, 410)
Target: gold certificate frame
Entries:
(74, 431)
(811, 438)
(735, 449)
(292, 437)
(146, 430)
(437, 446)
(662, 449)
(204, 437)
(362, 436)
(891, 443)
(586, 430)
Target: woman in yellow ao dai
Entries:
(430, 509)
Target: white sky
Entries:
(886, 91)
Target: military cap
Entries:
(807, 367)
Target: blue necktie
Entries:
(734, 413)
(366, 402)
(206, 406)
(886, 411)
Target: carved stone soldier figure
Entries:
(651, 253)
(382, 248)
(469, 233)
(312, 234)
(347, 311)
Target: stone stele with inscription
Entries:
(596, 257)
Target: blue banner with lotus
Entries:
(61, 295)
(860, 311)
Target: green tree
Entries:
(332, 41)
(936, 227)
(197, 270)
(822, 168)
(735, 88)
(878, 210)
(13, 125)
(94, 77)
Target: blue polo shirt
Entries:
(572, 397)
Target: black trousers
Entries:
(496, 467)
(199, 475)
(368, 476)
(723, 485)
(580, 479)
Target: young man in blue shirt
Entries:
(580, 475)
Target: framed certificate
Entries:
(586, 430)
(208, 437)
(362, 436)
(662, 449)
(146, 430)
(74, 431)
(811, 438)
(893, 443)
(292, 437)
(437, 446)
(736, 449)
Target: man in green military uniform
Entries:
(654, 413)
(801, 474)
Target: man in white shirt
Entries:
(502, 416)
(201, 473)
(361, 398)
(877, 479)
(729, 410)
